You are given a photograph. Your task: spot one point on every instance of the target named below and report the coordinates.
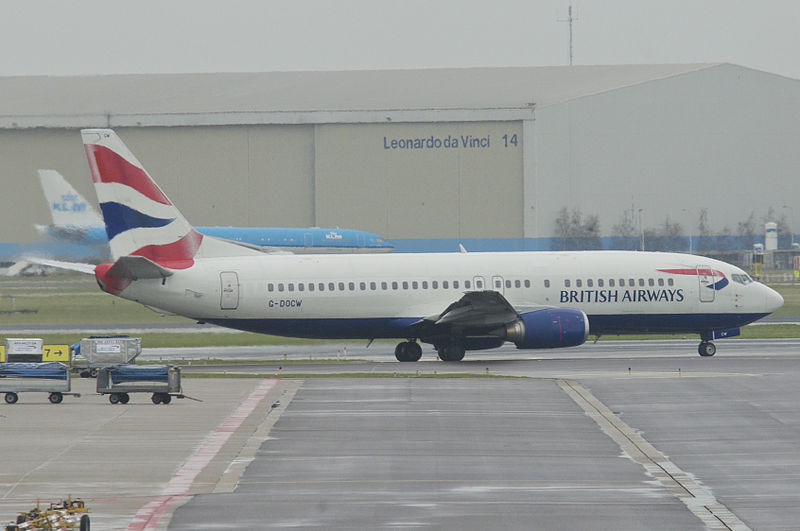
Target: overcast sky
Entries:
(59, 37)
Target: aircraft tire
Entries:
(85, 524)
(707, 348)
(401, 351)
(413, 351)
(452, 352)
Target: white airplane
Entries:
(454, 301)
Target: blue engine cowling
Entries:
(549, 328)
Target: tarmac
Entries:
(640, 435)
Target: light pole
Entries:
(641, 227)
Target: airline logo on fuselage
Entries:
(711, 274)
(618, 295)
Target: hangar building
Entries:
(460, 154)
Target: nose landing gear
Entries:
(707, 348)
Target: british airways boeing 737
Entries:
(456, 302)
(75, 220)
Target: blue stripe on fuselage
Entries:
(372, 328)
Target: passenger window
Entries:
(479, 284)
(455, 284)
(405, 284)
(528, 283)
(467, 284)
(566, 283)
(414, 285)
(280, 286)
(341, 286)
(651, 282)
(351, 285)
(547, 283)
(394, 284)
(590, 283)
(641, 282)
(435, 284)
(670, 282)
(310, 286)
(270, 287)
(508, 283)
(599, 282)
(373, 286)
(579, 283)
(660, 281)
(301, 287)
(291, 286)
(622, 282)
(631, 282)
(610, 282)
(424, 284)
(321, 286)
(331, 286)
(362, 285)
(444, 284)
(384, 286)
(517, 284)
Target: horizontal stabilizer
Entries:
(137, 267)
(69, 266)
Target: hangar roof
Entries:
(309, 97)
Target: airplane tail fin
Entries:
(68, 208)
(140, 219)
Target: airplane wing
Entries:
(479, 310)
(70, 266)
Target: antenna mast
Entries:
(570, 18)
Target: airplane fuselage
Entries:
(373, 296)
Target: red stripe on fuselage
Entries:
(176, 255)
(108, 167)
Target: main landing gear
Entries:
(451, 352)
(408, 351)
(707, 348)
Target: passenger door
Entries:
(229, 289)
(707, 281)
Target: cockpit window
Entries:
(743, 279)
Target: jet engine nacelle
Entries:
(550, 328)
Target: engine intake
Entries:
(550, 328)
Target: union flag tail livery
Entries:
(140, 219)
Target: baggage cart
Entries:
(163, 381)
(96, 352)
(49, 377)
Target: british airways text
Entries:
(629, 295)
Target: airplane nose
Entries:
(772, 300)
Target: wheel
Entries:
(413, 351)
(124, 398)
(85, 522)
(56, 398)
(166, 399)
(11, 398)
(93, 373)
(156, 398)
(707, 348)
(85, 374)
(452, 352)
(113, 398)
(400, 351)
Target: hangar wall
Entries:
(429, 180)
(723, 138)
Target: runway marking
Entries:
(177, 488)
(697, 497)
